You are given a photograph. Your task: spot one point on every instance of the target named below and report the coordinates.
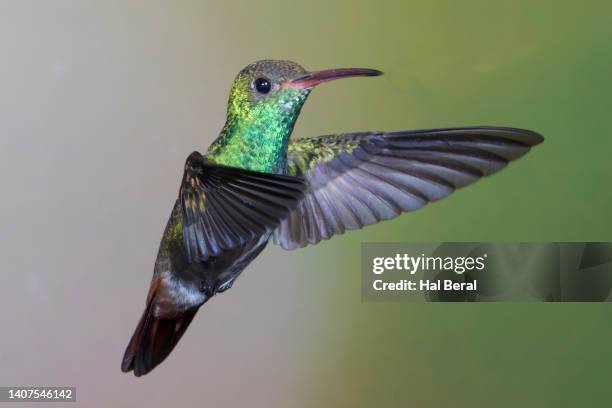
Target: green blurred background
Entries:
(102, 101)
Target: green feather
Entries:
(257, 131)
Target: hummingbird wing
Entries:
(357, 179)
(224, 207)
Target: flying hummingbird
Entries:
(255, 184)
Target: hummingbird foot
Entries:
(207, 289)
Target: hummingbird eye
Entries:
(262, 85)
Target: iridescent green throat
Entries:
(257, 132)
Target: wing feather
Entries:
(357, 179)
(224, 207)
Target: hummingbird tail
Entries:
(153, 340)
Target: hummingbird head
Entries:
(264, 103)
(259, 92)
(278, 89)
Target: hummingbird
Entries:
(255, 184)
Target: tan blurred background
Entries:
(101, 102)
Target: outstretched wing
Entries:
(357, 179)
(224, 207)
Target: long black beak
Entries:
(312, 79)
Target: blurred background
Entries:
(101, 102)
